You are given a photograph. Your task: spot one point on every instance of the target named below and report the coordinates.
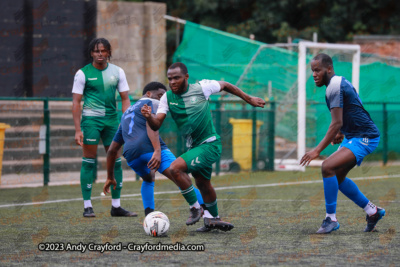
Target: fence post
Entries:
(385, 134)
(254, 140)
(46, 156)
(218, 129)
(271, 137)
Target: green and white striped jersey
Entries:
(191, 112)
(98, 88)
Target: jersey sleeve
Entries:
(334, 93)
(118, 136)
(210, 87)
(163, 105)
(154, 105)
(79, 83)
(122, 83)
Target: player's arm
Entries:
(333, 130)
(156, 120)
(76, 115)
(155, 161)
(123, 89)
(126, 102)
(234, 90)
(112, 155)
(77, 94)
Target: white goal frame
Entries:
(301, 98)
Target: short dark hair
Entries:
(95, 42)
(325, 60)
(153, 86)
(180, 65)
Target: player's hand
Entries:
(257, 102)
(308, 157)
(338, 138)
(107, 184)
(155, 161)
(146, 111)
(79, 138)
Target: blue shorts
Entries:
(360, 147)
(139, 165)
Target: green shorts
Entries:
(94, 128)
(200, 159)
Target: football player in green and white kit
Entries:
(189, 107)
(98, 82)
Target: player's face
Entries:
(100, 54)
(320, 73)
(177, 80)
(157, 94)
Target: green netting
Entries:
(213, 54)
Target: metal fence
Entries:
(41, 137)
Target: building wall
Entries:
(45, 42)
(137, 35)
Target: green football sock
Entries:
(190, 195)
(116, 194)
(212, 208)
(87, 172)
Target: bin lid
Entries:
(244, 121)
(4, 126)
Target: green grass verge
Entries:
(273, 225)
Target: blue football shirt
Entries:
(132, 132)
(356, 120)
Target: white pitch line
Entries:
(216, 188)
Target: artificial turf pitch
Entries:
(275, 224)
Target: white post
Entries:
(355, 80)
(301, 104)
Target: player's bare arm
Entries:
(76, 114)
(155, 161)
(126, 103)
(333, 130)
(154, 121)
(230, 88)
(112, 155)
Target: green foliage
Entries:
(274, 21)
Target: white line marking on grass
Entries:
(216, 188)
(266, 200)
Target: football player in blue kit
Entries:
(351, 126)
(144, 150)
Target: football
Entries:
(156, 224)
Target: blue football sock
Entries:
(350, 190)
(198, 194)
(147, 191)
(331, 188)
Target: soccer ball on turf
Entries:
(156, 224)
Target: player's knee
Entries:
(175, 170)
(327, 169)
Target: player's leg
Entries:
(359, 149)
(87, 176)
(178, 171)
(147, 192)
(166, 160)
(139, 166)
(91, 136)
(331, 187)
(200, 160)
(107, 135)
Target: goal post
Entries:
(301, 96)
